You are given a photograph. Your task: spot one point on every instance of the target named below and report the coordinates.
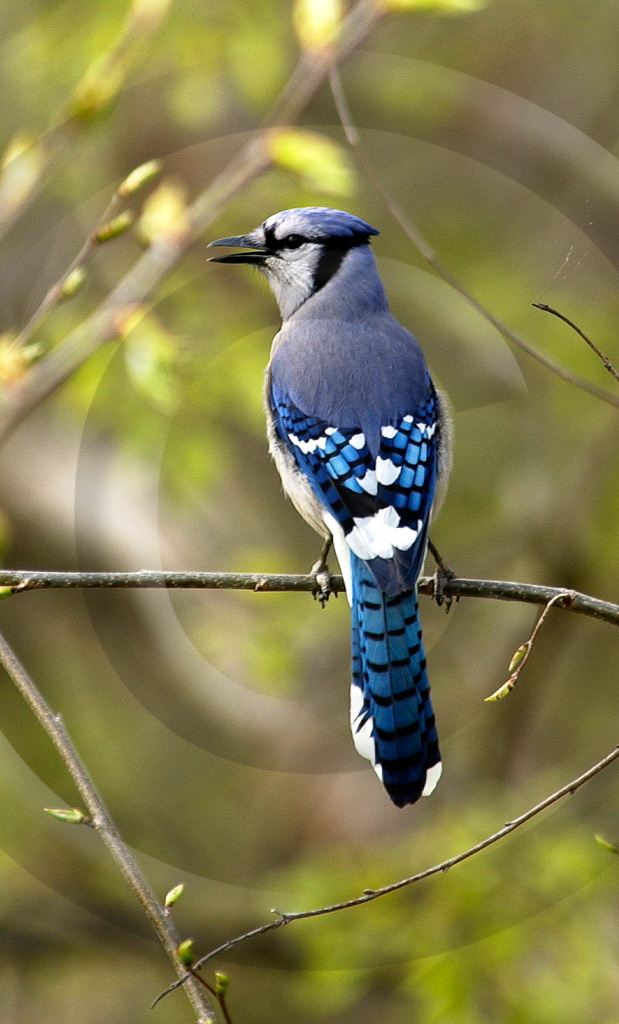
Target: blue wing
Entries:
(382, 504)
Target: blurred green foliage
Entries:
(215, 724)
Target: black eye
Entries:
(293, 241)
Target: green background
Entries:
(216, 724)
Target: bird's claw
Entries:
(442, 576)
(322, 588)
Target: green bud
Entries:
(222, 983)
(72, 282)
(115, 227)
(139, 177)
(174, 895)
(5, 592)
(502, 690)
(317, 22)
(518, 656)
(71, 816)
(185, 952)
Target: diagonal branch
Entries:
(428, 253)
(566, 320)
(103, 823)
(97, 88)
(15, 581)
(165, 252)
(368, 896)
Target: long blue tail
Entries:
(391, 712)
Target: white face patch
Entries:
(292, 279)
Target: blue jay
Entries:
(361, 439)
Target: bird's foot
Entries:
(322, 588)
(442, 576)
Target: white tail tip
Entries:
(433, 774)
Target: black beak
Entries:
(254, 256)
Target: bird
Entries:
(361, 438)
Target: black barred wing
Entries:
(382, 504)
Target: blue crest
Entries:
(320, 221)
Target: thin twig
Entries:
(141, 21)
(166, 251)
(521, 655)
(17, 581)
(428, 253)
(103, 823)
(284, 919)
(566, 320)
(55, 292)
(219, 996)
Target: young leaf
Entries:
(174, 895)
(317, 22)
(320, 162)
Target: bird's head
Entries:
(299, 250)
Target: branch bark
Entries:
(585, 337)
(428, 253)
(104, 825)
(374, 894)
(144, 277)
(15, 581)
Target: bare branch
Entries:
(104, 825)
(165, 252)
(15, 581)
(100, 84)
(56, 291)
(566, 320)
(428, 253)
(284, 919)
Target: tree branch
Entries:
(103, 823)
(15, 581)
(566, 320)
(374, 894)
(98, 87)
(428, 253)
(166, 251)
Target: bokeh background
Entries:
(216, 724)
